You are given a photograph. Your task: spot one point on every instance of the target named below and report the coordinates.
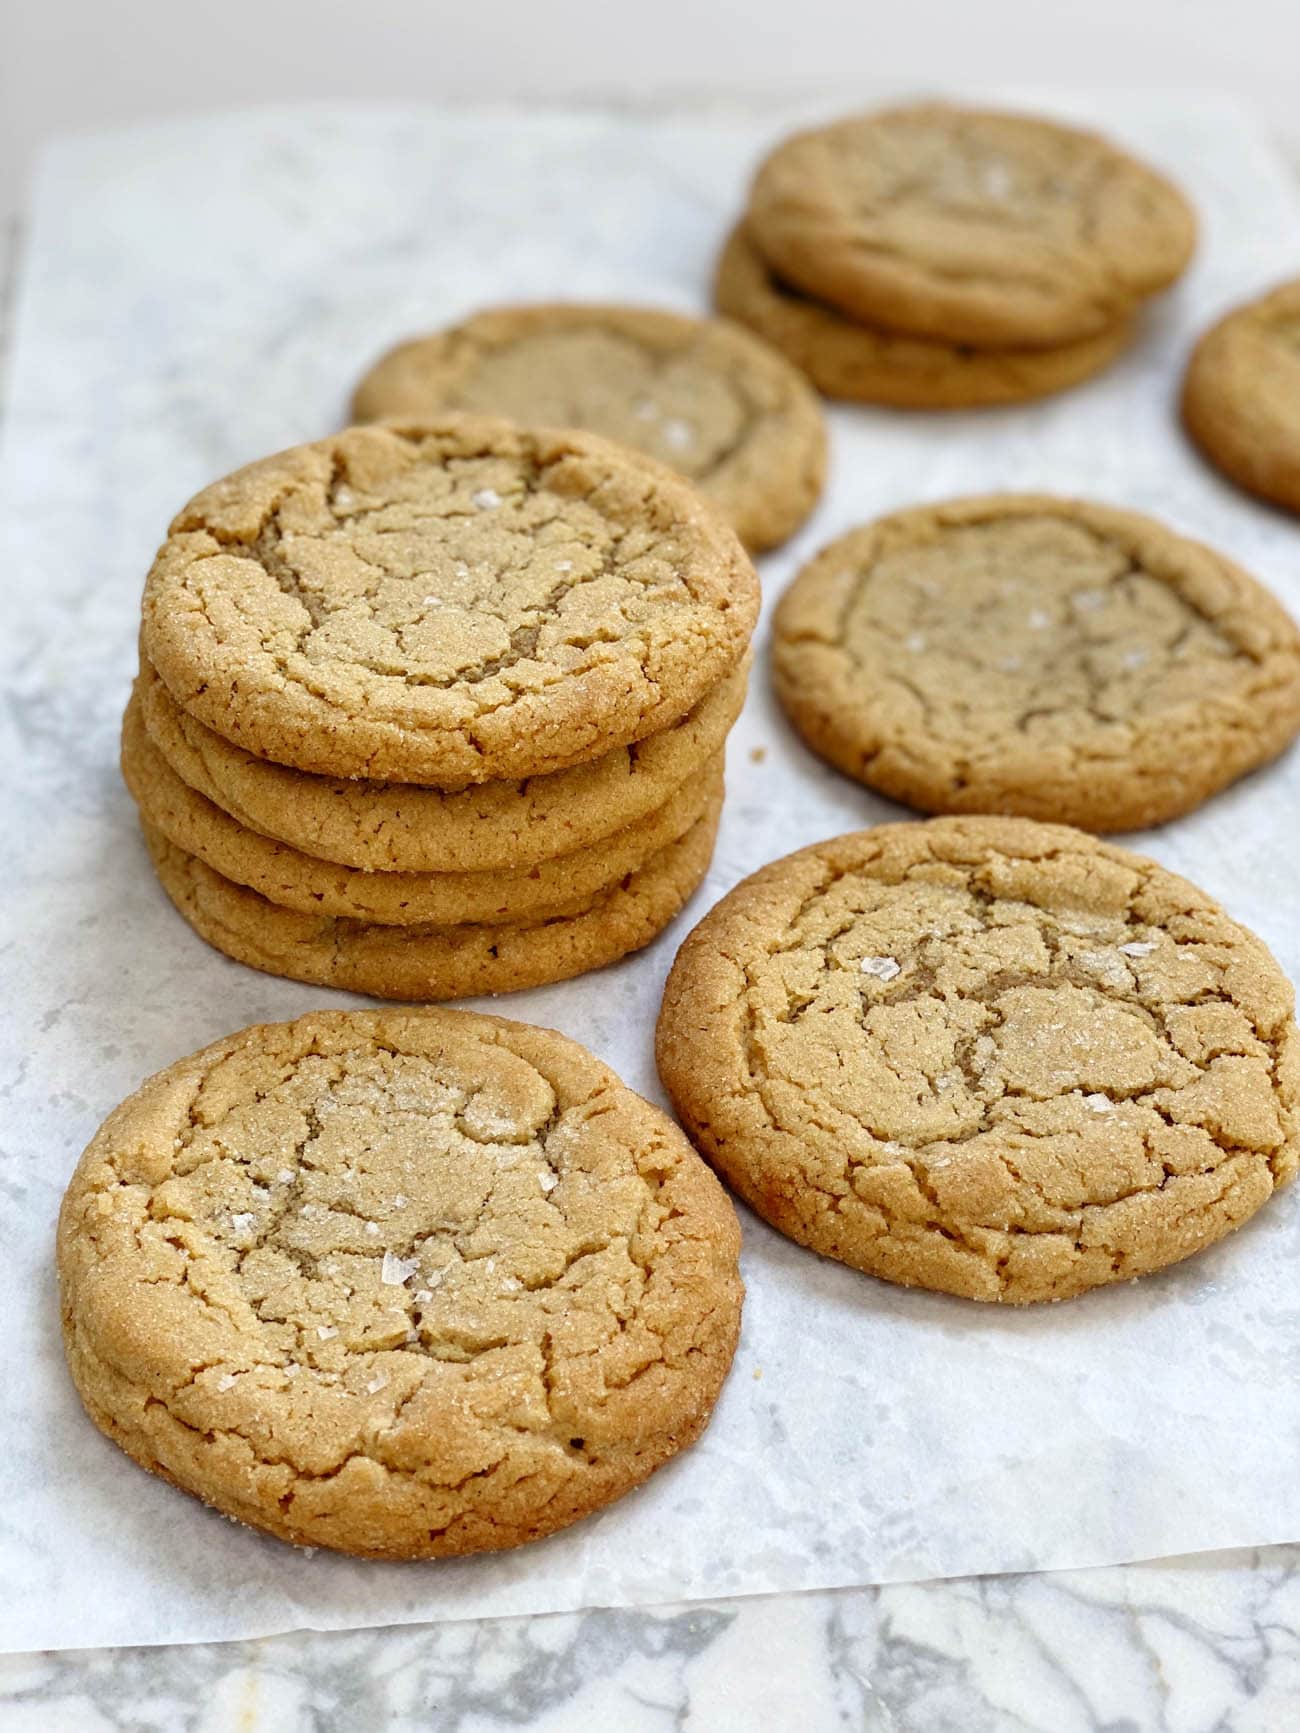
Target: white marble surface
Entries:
(1208, 1642)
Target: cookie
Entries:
(401, 1283)
(1048, 657)
(866, 364)
(379, 827)
(1241, 396)
(969, 226)
(447, 604)
(295, 880)
(429, 961)
(698, 395)
(986, 1056)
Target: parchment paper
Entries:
(202, 292)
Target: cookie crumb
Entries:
(757, 754)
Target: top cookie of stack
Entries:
(935, 256)
(438, 709)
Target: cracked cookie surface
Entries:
(969, 226)
(847, 359)
(381, 827)
(1031, 655)
(433, 961)
(698, 395)
(295, 880)
(446, 604)
(987, 1056)
(1241, 395)
(403, 1284)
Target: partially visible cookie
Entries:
(1241, 395)
(379, 827)
(867, 364)
(400, 1283)
(697, 394)
(986, 1056)
(968, 225)
(446, 604)
(286, 876)
(433, 961)
(1048, 657)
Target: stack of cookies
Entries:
(434, 710)
(938, 257)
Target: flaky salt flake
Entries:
(1009, 665)
(1087, 601)
(564, 565)
(1098, 1103)
(487, 499)
(344, 497)
(1137, 658)
(401, 1200)
(326, 1332)
(225, 1381)
(286, 1176)
(882, 968)
(423, 1295)
(372, 1227)
(915, 643)
(1039, 619)
(377, 1383)
(548, 1181)
(292, 1369)
(396, 1270)
(243, 1222)
(511, 1285)
(1139, 948)
(679, 434)
(431, 602)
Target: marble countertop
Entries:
(1206, 1644)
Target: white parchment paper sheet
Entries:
(202, 292)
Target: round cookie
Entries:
(968, 225)
(403, 1284)
(696, 394)
(1048, 657)
(1241, 396)
(446, 604)
(863, 364)
(985, 1056)
(436, 962)
(295, 880)
(379, 827)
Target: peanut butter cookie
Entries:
(380, 827)
(867, 364)
(446, 604)
(969, 226)
(1024, 654)
(295, 880)
(404, 1284)
(702, 397)
(986, 1056)
(1241, 396)
(435, 961)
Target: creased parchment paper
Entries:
(202, 292)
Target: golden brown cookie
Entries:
(447, 604)
(400, 1283)
(286, 876)
(1049, 657)
(986, 1056)
(697, 394)
(866, 364)
(1241, 395)
(969, 226)
(436, 962)
(381, 827)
